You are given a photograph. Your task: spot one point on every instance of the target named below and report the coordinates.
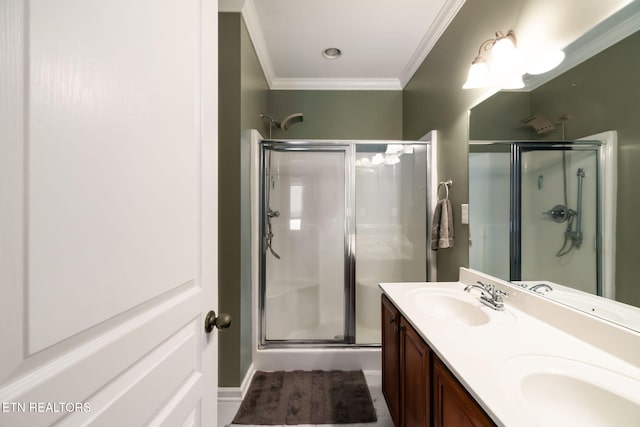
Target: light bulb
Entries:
(378, 159)
(478, 76)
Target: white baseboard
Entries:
(230, 398)
(236, 394)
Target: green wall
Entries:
(243, 94)
(498, 118)
(434, 99)
(330, 114)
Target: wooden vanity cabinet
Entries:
(419, 389)
(391, 358)
(452, 404)
(415, 378)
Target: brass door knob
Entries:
(221, 322)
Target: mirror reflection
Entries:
(554, 188)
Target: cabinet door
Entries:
(391, 358)
(453, 406)
(415, 378)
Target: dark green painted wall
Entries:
(332, 114)
(243, 93)
(498, 118)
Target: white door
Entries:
(108, 201)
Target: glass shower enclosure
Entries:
(535, 212)
(337, 218)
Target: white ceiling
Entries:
(383, 42)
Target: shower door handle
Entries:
(221, 322)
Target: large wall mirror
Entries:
(554, 177)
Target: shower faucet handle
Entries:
(558, 213)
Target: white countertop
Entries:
(491, 359)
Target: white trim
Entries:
(236, 394)
(439, 25)
(334, 84)
(256, 35)
(432, 195)
(608, 204)
(254, 137)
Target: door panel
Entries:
(105, 171)
(305, 243)
(109, 239)
(564, 248)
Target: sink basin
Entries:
(453, 306)
(555, 391)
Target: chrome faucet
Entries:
(542, 286)
(480, 286)
(491, 296)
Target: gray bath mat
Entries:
(306, 397)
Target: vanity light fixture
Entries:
(508, 63)
(505, 70)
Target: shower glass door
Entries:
(304, 242)
(559, 222)
(391, 225)
(489, 198)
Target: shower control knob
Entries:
(221, 322)
(558, 213)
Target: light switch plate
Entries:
(464, 217)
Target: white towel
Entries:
(442, 226)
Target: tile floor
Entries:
(382, 412)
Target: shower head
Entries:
(271, 119)
(284, 123)
(541, 124)
(289, 120)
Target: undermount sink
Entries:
(556, 391)
(453, 306)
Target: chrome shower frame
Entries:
(515, 240)
(349, 148)
(349, 262)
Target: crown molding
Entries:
(440, 24)
(250, 16)
(334, 84)
(254, 29)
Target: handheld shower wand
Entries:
(575, 237)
